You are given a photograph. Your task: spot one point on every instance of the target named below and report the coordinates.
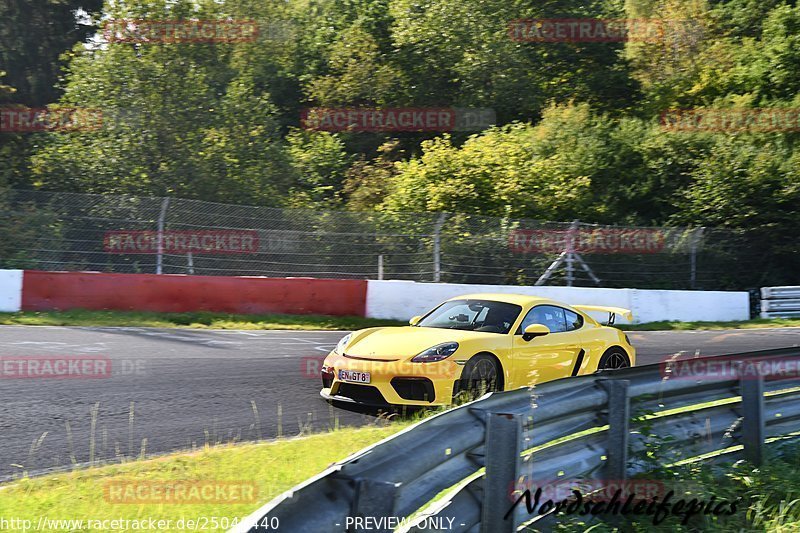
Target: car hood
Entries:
(394, 343)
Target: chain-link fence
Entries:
(64, 231)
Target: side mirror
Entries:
(535, 330)
(414, 320)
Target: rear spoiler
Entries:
(612, 312)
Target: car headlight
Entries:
(437, 353)
(342, 344)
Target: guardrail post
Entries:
(162, 216)
(753, 424)
(375, 500)
(619, 414)
(503, 449)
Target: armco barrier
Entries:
(42, 291)
(585, 428)
(401, 300)
(779, 302)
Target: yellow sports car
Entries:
(473, 344)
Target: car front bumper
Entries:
(391, 382)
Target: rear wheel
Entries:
(614, 359)
(481, 375)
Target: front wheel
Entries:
(481, 375)
(613, 359)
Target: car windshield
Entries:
(473, 315)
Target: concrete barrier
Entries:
(10, 290)
(43, 291)
(400, 300)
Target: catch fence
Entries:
(127, 234)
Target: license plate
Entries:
(353, 376)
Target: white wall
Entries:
(10, 290)
(400, 300)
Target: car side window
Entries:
(574, 320)
(548, 315)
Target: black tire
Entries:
(613, 359)
(481, 375)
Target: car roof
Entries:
(519, 299)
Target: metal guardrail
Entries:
(780, 302)
(575, 428)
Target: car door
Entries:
(551, 356)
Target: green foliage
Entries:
(741, 184)
(34, 34)
(573, 163)
(368, 183)
(177, 121)
(578, 135)
(767, 497)
(22, 226)
(319, 161)
(358, 76)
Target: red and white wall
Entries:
(41, 291)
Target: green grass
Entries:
(270, 468)
(741, 324)
(770, 497)
(201, 320)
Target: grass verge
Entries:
(199, 320)
(699, 326)
(268, 468)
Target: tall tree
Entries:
(33, 35)
(178, 120)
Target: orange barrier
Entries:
(45, 291)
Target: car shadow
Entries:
(393, 412)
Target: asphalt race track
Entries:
(176, 389)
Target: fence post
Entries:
(503, 448)
(753, 424)
(570, 249)
(380, 266)
(437, 248)
(698, 234)
(161, 219)
(619, 411)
